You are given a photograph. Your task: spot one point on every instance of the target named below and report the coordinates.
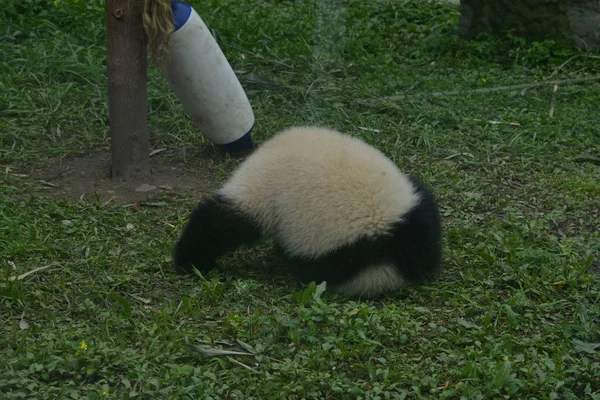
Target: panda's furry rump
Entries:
(338, 208)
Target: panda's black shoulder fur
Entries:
(215, 227)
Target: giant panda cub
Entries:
(340, 211)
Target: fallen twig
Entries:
(577, 81)
(211, 352)
(587, 157)
(494, 122)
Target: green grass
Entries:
(515, 314)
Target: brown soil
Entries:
(89, 176)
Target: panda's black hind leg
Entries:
(215, 227)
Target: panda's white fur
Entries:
(316, 189)
(372, 281)
(335, 205)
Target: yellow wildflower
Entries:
(83, 346)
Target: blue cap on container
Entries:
(241, 144)
(181, 13)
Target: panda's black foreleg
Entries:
(215, 228)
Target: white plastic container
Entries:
(205, 83)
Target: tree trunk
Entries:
(126, 65)
(573, 23)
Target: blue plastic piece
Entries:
(241, 144)
(181, 13)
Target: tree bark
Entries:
(127, 66)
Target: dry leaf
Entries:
(49, 184)
(144, 187)
(26, 274)
(22, 323)
(139, 298)
(154, 152)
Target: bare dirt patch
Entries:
(88, 177)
